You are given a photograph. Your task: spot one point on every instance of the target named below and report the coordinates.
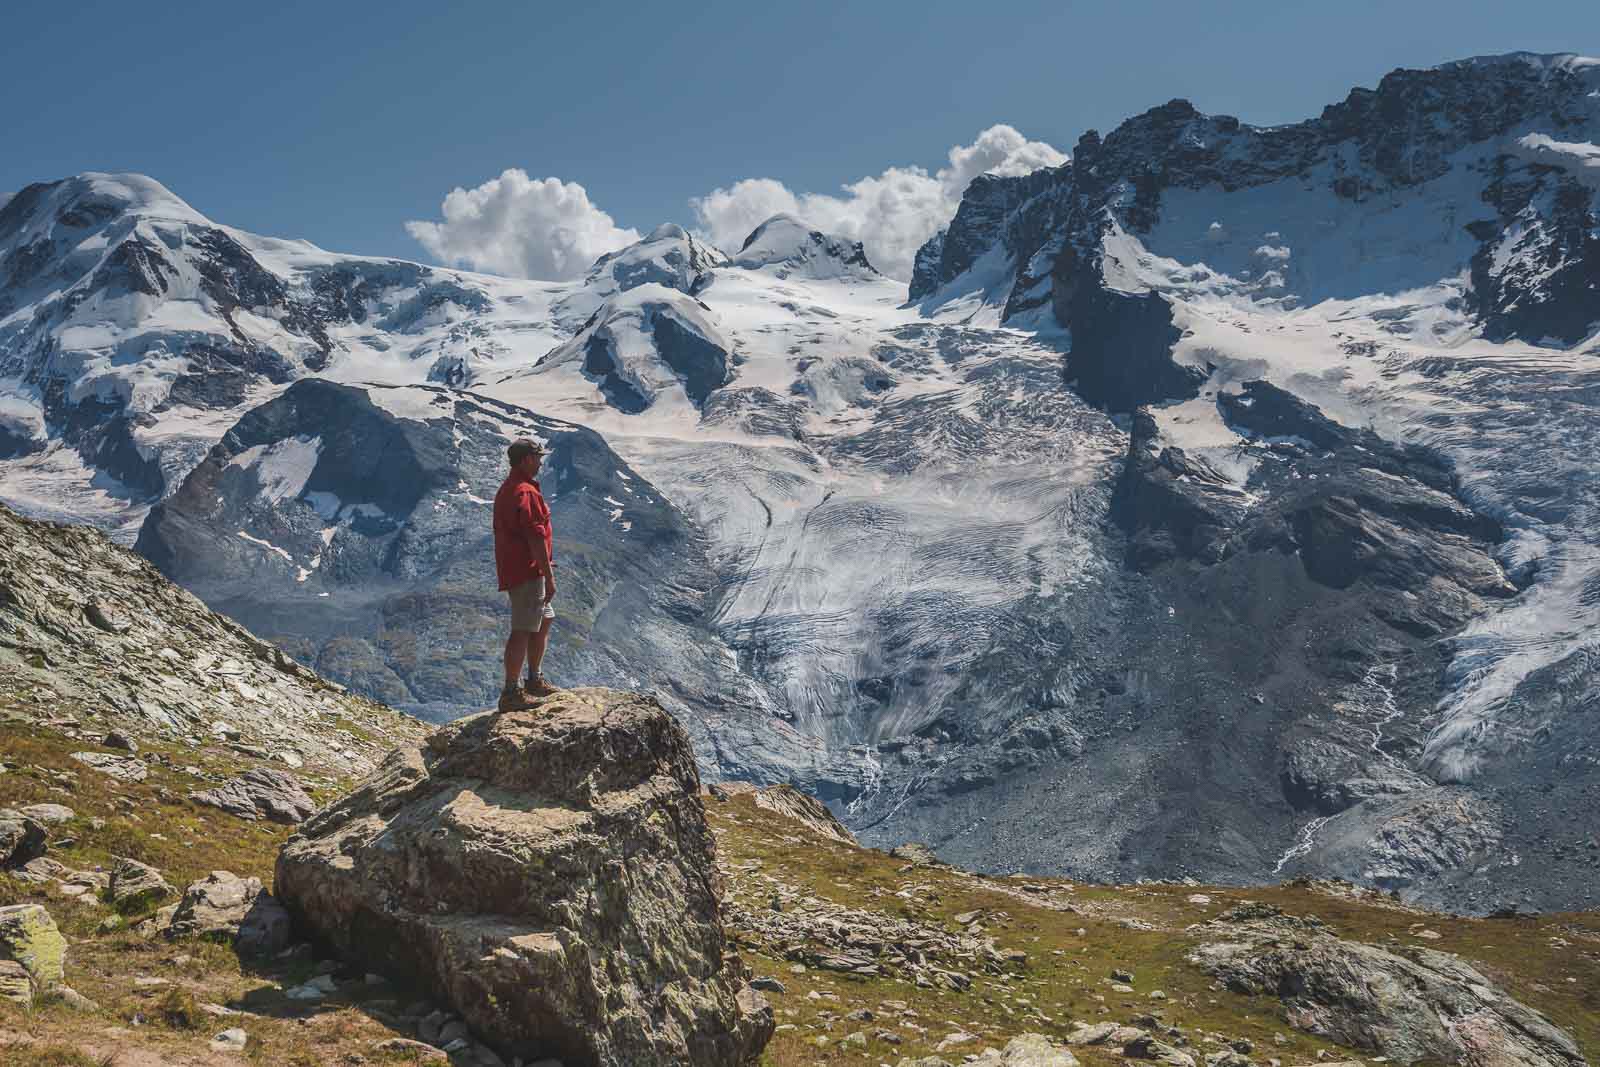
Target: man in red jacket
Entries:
(523, 543)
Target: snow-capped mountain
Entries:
(1214, 504)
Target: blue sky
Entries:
(339, 122)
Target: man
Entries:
(523, 542)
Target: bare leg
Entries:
(538, 641)
(516, 652)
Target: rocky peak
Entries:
(669, 255)
(1526, 123)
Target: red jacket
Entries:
(519, 512)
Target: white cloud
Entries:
(891, 213)
(523, 227)
(550, 229)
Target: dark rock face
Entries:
(1424, 1005)
(549, 875)
(981, 221)
(1173, 506)
(1122, 350)
(699, 362)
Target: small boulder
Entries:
(28, 935)
(223, 906)
(232, 1040)
(260, 793)
(122, 768)
(1027, 1050)
(22, 838)
(1147, 1047)
(120, 740)
(15, 983)
(135, 886)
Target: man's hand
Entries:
(549, 586)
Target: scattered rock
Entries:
(117, 739)
(223, 906)
(260, 793)
(122, 768)
(767, 985)
(135, 885)
(28, 935)
(915, 853)
(1425, 1005)
(16, 985)
(49, 814)
(1087, 1034)
(233, 1040)
(1119, 975)
(518, 863)
(400, 1047)
(1146, 1047)
(315, 989)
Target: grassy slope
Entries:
(1552, 962)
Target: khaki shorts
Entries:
(529, 611)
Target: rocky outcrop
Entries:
(791, 803)
(1424, 1005)
(788, 801)
(549, 875)
(85, 621)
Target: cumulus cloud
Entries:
(891, 214)
(521, 226)
(550, 229)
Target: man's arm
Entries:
(533, 530)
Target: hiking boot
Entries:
(539, 687)
(513, 699)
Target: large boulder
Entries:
(28, 936)
(1423, 1005)
(550, 875)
